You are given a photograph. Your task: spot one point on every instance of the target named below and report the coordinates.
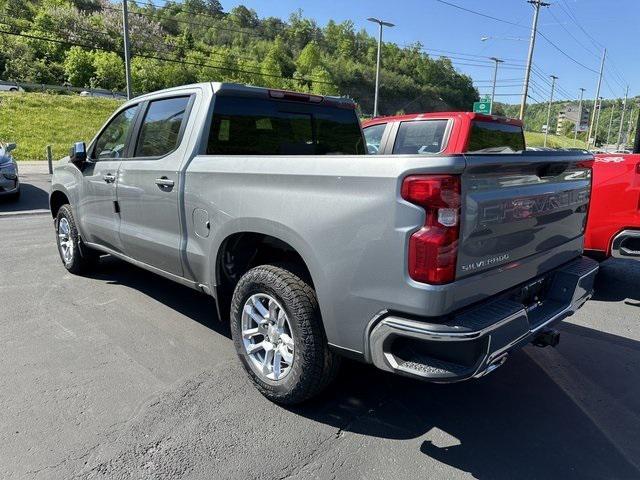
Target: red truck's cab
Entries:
(443, 133)
(613, 228)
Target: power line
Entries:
(479, 13)
(566, 54)
(187, 22)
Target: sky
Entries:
(580, 28)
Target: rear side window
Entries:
(422, 136)
(373, 137)
(160, 131)
(256, 126)
(494, 137)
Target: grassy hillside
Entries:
(35, 120)
(535, 139)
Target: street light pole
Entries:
(380, 23)
(593, 116)
(624, 109)
(595, 133)
(579, 121)
(532, 41)
(495, 76)
(613, 109)
(127, 55)
(546, 130)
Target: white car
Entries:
(9, 181)
(10, 87)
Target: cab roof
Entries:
(442, 115)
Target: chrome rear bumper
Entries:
(477, 340)
(626, 244)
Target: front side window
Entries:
(258, 126)
(112, 142)
(495, 137)
(422, 136)
(373, 137)
(160, 129)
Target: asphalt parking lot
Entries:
(123, 374)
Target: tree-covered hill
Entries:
(197, 40)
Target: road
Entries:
(125, 375)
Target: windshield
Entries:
(256, 126)
(494, 137)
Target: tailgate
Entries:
(517, 205)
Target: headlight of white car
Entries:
(8, 170)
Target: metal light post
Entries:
(579, 121)
(495, 76)
(593, 116)
(624, 109)
(532, 42)
(613, 109)
(380, 23)
(546, 130)
(127, 55)
(595, 133)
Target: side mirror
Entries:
(9, 147)
(78, 154)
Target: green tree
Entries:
(78, 66)
(109, 71)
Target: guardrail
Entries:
(91, 92)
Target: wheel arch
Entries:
(57, 199)
(240, 249)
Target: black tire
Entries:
(82, 258)
(314, 365)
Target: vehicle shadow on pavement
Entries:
(195, 305)
(570, 412)
(608, 286)
(31, 198)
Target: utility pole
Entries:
(380, 23)
(546, 130)
(624, 109)
(579, 121)
(593, 116)
(595, 133)
(532, 42)
(127, 55)
(495, 77)
(613, 109)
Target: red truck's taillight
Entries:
(433, 250)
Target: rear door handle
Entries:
(109, 178)
(164, 182)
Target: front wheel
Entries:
(277, 333)
(75, 257)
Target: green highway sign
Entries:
(482, 107)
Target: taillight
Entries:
(433, 250)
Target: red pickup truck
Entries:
(613, 227)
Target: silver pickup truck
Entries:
(430, 266)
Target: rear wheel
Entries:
(76, 257)
(277, 332)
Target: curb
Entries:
(39, 211)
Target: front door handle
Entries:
(109, 178)
(164, 182)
